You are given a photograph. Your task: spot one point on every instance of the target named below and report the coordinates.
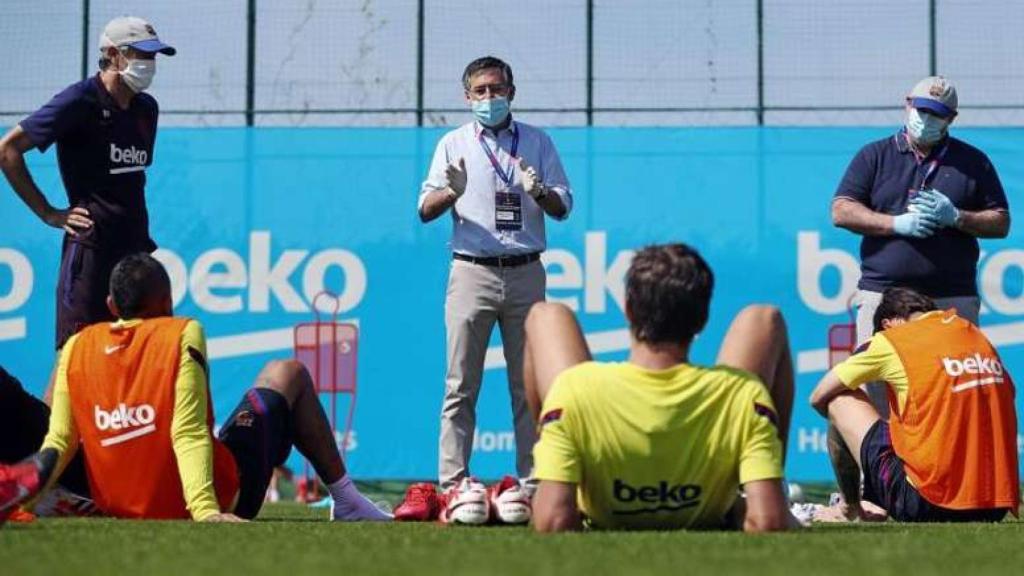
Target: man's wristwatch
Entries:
(543, 192)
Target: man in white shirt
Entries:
(499, 177)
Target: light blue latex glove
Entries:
(937, 205)
(914, 224)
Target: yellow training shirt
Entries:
(878, 361)
(657, 449)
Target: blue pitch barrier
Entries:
(253, 223)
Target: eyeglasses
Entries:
(483, 90)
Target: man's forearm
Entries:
(554, 507)
(437, 202)
(16, 171)
(195, 468)
(985, 223)
(856, 217)
(552, 204)
(845, 467)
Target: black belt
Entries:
(499, 261)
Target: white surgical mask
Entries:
(139, 74)
(491, 112)
(925, 128)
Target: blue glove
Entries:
(914, 224)
(936, 204)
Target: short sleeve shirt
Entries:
(474, 226)
(657, 449)
(103, 152)
(883, 176)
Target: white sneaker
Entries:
(805, 512)
(59, 502)
(510, 501)
(466, 503)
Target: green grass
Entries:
(290, 540)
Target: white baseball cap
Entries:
(935, 93)
(134, 32)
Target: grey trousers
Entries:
(867, 302)
(478, 296)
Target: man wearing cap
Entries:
(104, 128)
(921, 199)
(499, 178)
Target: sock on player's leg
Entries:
(348, 504)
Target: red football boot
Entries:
(421, 504)
(18, 483)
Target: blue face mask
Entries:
(925, 128)
(491, 112)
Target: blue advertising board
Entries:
(253, 223)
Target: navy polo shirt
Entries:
(102, 152)
(883, 175)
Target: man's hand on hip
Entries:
(457, 177)
(937, 205)
(914, 225)
(72, 220)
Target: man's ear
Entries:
(112, 307)
(512, 93)
(891, 322)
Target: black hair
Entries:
(668, 293)
(901, 303)
(138, 281)
(483, 64)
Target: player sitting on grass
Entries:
(949, 451)
(657, 442)
(133, 395)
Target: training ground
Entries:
(289, 540)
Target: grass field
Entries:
(289, 539)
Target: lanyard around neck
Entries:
(504, 175)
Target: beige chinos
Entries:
(478, 296)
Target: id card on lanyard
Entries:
(508, 205)
(930, 170)
(933, 167)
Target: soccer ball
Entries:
(796, 492)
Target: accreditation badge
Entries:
(508, 211)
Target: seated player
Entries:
(133, 395)
(949, 451)
(657, 442)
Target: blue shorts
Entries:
(886, 485)
(258, 434)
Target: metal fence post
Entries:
(760, 62)
(250, 65)
(932, 60)
(85, 39)
(420, 43)
(590, 62)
